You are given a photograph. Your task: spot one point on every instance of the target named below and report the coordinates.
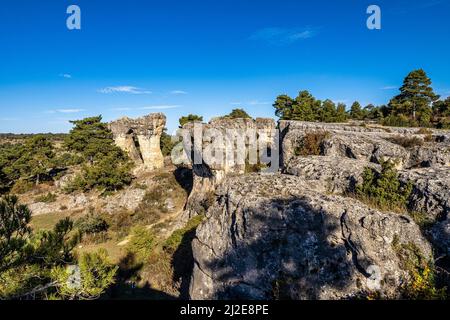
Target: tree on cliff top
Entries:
(189, 118)
(238, 114)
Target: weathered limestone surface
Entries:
(140, 138)
(268, 236)
(368, 144)
(295, 235)
(329, 174)
(431, 193)
(211, 172)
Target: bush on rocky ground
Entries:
(311, 144)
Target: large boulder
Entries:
(431, 190)
(269, 236)
(231, 140)
(140, 138)
(329, 174)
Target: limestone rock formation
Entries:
(329, 174)
(431, 192)
(140, 138)
(368, 144)
(268, 236)
(231, 138)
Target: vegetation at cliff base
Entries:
(383, 189)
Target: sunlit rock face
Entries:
(370, 144)
(140, 138)
(277, 237)
(221, 148)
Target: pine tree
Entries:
(238, 114)
(189, 118)
(284, 107)
(306, 107)
(328, 111)
(356, 111)
(415, 98)
(341, 113)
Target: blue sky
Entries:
(207, 57)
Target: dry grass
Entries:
(311, 144)
(407, 142)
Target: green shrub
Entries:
(142, 242)
(96, 274)
(399, 121)
(312, 144)
(92, 224)
(383, 189)
(48, 198)
(422, 283)
(176, 238)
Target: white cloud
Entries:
(284, 36)
(64, 111)
(258, 103)
(69, 110)
(66, 75)
(124, 89)
(163, 107)
(8, 119)
(178, 92)
(251, 103)
(389, 88)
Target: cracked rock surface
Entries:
(271, 236)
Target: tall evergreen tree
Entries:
(284, 107)
(90, 137)
(415, 98)
(328, 111)
(341, 113)
(306, 107)
(356, 111)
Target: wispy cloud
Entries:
(124, 89)
(66, 75)
(163, 107)
(178, 92)
(259, 103)
(284, 36)
(251, 103)
(64, 111)
(389, 88)
(8, 119)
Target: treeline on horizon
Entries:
(417, 105)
